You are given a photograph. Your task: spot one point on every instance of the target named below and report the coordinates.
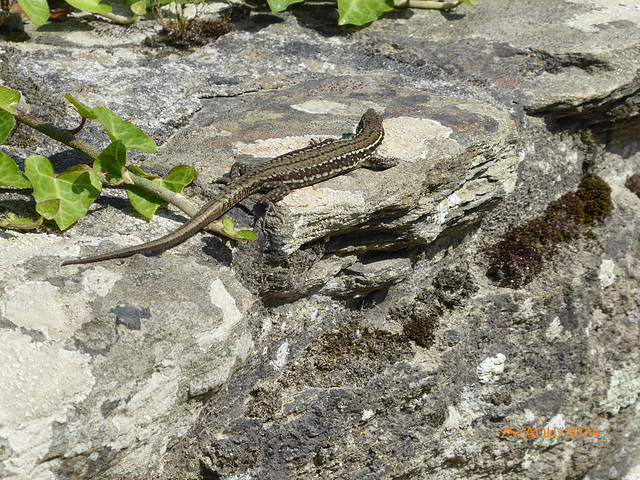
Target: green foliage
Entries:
(234, 233)
(10, 174)
(112, 162)
(49, 209)
(127, 132)
(178, 178)
(139, 7)
(81, 108)
(91, 6)
(8, 98)
(145, 202)
(66, 197)
(352, 12)
(277, 6)
(7, 122)
(361, 12)
(36, 10)
(76, 188)
(20, 223)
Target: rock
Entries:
(360, 336)
(95, 382)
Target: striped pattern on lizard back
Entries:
(277, 177)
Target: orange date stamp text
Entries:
(569, 433)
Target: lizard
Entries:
(276, 177)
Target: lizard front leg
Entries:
(375, 161)
(237, 170)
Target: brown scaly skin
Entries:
(295, 169)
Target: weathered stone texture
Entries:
(362, 335)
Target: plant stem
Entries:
(164, 193)
(174, 199)
(118, 19)
(59, 134)
(66, 137)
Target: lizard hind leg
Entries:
(314, 142)
(275, 191)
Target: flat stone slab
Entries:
(94, 380)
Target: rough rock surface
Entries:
(365, 334)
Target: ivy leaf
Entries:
(20, 223)
(179, 177)
(145, 202)
(7, 122)
(139, 7)
(112, 161)
(179, 2)
(10, 97)
(281, 5)
(131, 136)
(76, 188)
(36, 10)
(138, 171)
(92, 6)
(82, 109)
(361, 12)
(242, 234)
(48, 208)
(10, 174)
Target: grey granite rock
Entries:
(360, 336)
